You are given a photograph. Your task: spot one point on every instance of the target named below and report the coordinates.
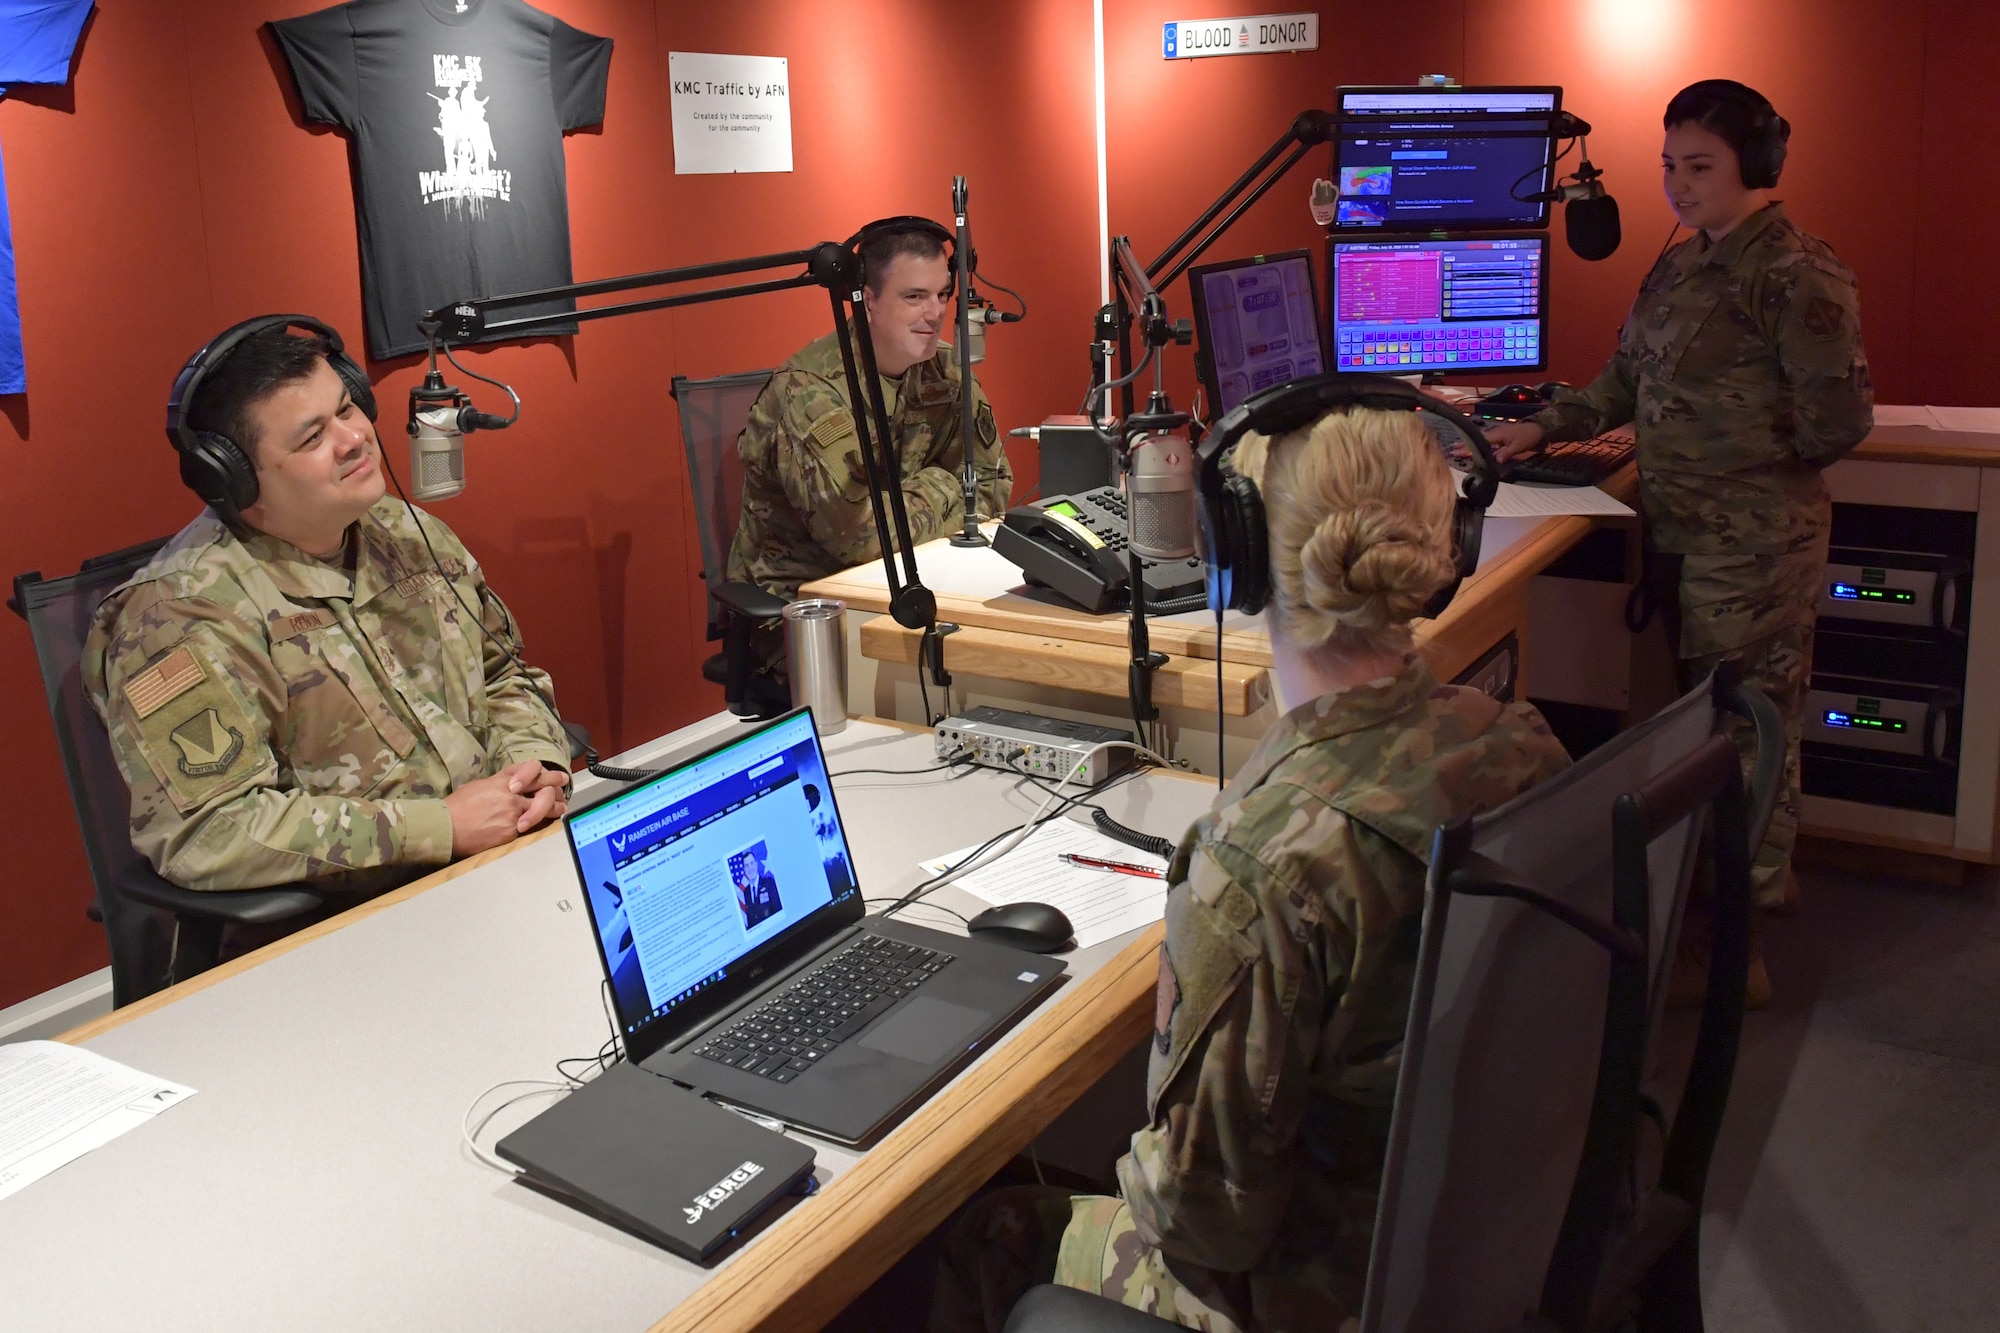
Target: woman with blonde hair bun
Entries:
(1292, 924)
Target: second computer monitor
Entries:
(1445, 159)
(1258, 325)
(1411, 306)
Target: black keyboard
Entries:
(1573, 462)
(798, 1024)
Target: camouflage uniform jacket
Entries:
(1291, 943)
(279, 718)
(1742, 369)
(805, 497)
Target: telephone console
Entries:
(1075, 545)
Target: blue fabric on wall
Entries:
(37, 38)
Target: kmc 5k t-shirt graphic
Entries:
(470, 174)
(456, 109)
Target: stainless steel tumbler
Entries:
(816, 657)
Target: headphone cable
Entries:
(590, 754)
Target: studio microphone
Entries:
(441, 416)
(1590, 216)
(1159, 488)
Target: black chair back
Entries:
(1547, 924)
(158, 932)
(713, 414)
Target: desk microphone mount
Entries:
(829, 264)
(962, 262)
(1136, 292)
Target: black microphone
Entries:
(1590, 225)
(1590, 215)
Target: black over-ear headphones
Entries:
(1235, 544)
(1763, 155)
(215, 467)
(1761, 159)
(905, 222)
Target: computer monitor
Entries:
(1257, 324)
(1451, 159)
(1411, 305)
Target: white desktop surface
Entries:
(317, 1179)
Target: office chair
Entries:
(1507, 1202)
(159, 933)
(713, 414)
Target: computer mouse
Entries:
(1036, 927)
(1513, 393)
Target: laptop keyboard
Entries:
(786, 1034)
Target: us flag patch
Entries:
(163, 682)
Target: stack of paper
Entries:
(1973, 420)
(58, 1102)
(1100, 904)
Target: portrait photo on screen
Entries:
(756, 888)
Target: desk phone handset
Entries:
(1075, 544)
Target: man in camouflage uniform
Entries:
(806, 512)
(297, 692)
(1742, 370)
(1291, 934)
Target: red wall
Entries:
(172, 189)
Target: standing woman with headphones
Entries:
(1742, 371)
(1292, 909)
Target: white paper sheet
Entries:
(1964, 420)
(1554, 501)
(1100, 904)
(1891, 414)
(57, 1102)
(1978, 420)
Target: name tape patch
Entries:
(164, 681)
(302, 623)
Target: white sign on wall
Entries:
(730, 113)
(1255, 34)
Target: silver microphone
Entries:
(1159, 488)
(437, 453)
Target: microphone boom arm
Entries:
(829, 265)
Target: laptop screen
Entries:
(696, 876)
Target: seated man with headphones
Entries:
(806, 511)
(305, 684)
(1294, 909)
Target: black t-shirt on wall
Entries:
(457, 110)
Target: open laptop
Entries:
(729, 919)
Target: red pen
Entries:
(1121, 867)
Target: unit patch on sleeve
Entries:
(207, 744)
(163, 682)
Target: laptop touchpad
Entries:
(924, 1030)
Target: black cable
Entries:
(1220, 761)
(1018, 300)
(1554, 162)
(507, 389)
(1098, 392)
(1063, 808)
(959, 760)
(617, 774)
(935, 907)
(924, 688)
(527, 676)
(1131, 837)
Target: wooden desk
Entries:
(1028, 646)
(317, 1180)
